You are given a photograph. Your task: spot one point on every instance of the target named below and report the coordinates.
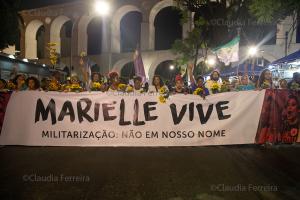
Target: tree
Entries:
(9, 29)
(275, 11)
(209, 31)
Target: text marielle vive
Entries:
(85, 106)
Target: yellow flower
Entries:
(162, 99)
(96, 85)
(54, 86)
(75, 86)
(215, 86)
(122, 87)
(129, 89)
(51, 44)
(162, 90)
(82, 54)
(198, 91)
(11, 85)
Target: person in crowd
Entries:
(96, 82)
(179, 86)
(245, 84)
(32, 83)
(44, 84)
(226, 85)
(75, 84)
(19, 82)
(96, 77)
(3, 85)
(291, 121)
(294, 84)
(114, 82)
(283, 84)
(138, 84)
(157, 84)
(146, 87)
(214, 83)
(265, 80)
(198, 83)
(57, 76)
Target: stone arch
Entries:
(115, 26)
(157, 61)
(82, 39)
(30, 38)
(117, 67)
(153, 12)
(55, 29)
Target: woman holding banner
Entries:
(265, 80)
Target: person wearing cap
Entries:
(179, 85)
(198, 83)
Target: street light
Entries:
(211, 61)
(172, 67)
(102, 7)
(252, 51)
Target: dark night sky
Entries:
(28, 4)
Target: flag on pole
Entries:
(139, 65)
(229, 52)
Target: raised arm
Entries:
(190, 72)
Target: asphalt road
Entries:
(196, 173)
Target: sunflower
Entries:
(96, 86)
(122, 87)
(198, 91)
(162, 99)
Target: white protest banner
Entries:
(116, 119)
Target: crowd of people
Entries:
(113, 82)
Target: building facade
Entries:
(76, 28)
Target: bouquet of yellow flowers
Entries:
(122, 87)
(215, 87)
(163, 94)
(75, 87)
(129, 89)
(11, 85)
(96, 86)
(198, 91)
(225, 86)
(54, 86)
(266, 85)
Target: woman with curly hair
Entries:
(19, 82)
(32, 83)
